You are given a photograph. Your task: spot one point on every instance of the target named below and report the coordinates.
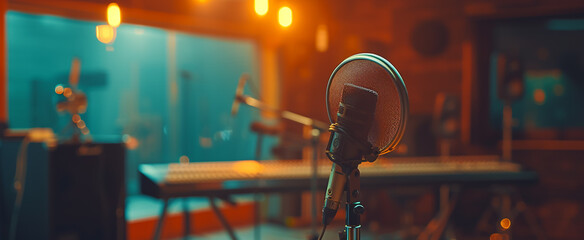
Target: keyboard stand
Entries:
(157, 180)
(435, 228)
(187, 222)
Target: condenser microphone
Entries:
(238, 94)
(367, 106)
(348, 143)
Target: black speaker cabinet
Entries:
(72, 192)
(446, 120)
(510, 83)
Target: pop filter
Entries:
(373, 72)
(367, 105)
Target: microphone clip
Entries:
(336, 150)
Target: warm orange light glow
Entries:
(81, 124)
(285, 16)
(261, 7)
(499, 236)
(76, 118)
(67, 92)
(505, 223)
(183, 159)
(85, 131)
(114, 15)
(248, 167)
(131, 142)
(105, 33)
(321, 39)
(496, 236)
(59, 89)
(82, 109)
(206, 142)
(539, 96)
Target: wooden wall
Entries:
(388, 28)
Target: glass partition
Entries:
(171, 92)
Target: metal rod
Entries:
(158, 230)
(187, 218)
(222, 219)
(250, 101)
(353, 232)
(507, 131)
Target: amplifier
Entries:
(72, 191)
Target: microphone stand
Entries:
(354, 208)
(317, 128)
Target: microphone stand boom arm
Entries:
(317, 126)
(295, 117)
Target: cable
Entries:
(19, 183)
(322, 233)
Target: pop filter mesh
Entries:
(373, 72)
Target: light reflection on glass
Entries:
(105, 33)
(67, 92)
(76, 118)
(81, 124)
(59, 89)
(183, 159)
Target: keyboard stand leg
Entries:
(222, 219)
(435, 228)
(187, 223)
(160, 223)
(256, 218)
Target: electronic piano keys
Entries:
(223, 178)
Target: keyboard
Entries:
(200, 178)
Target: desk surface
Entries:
(222, 178)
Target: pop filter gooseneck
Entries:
(370, 100)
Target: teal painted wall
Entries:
(172, 91)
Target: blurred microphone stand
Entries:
(446, 127)
(318, 128)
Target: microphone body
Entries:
(334, 192)
(348, 144)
